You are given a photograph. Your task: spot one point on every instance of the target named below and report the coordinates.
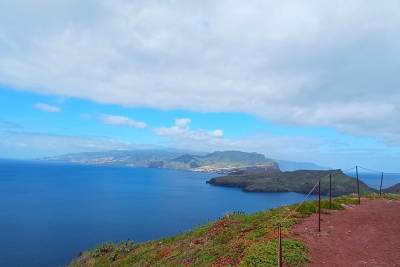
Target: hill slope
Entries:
(235, 240)
(393, 189)
(221, 160)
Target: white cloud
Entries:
(330, 63)
(181, 132)
(47, 108)
(181, 136)
(17, 143)
(217, 133)
(32, 145)
(122, 121)
(324, 151)
(182, 122)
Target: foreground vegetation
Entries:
(237, 239)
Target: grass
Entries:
(265, 254)
(388, 196)
(237, 239)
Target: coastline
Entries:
(236, 239)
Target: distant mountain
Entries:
(138, 158)
(286, 165)
(220, 161)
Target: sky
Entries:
(297, 80)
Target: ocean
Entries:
(50, 212)
(373, 179)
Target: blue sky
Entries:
(75, 125)
(306, 81)
(19, 107)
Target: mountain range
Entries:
(220, 161)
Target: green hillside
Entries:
(296, 181)
(221, 160)
(237, 239)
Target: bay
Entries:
(51, 212)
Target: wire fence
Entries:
(373, 179)
(289, 215)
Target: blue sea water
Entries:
(373, 179)
(51, 212)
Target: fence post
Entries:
(280, 260)
(330, 191)
(380, 188)
(319, 205)
(358, 187)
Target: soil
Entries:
(365, 235)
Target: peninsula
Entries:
(301, 181)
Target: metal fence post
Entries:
(380, 188)
(280, 258)
(319, 205)
(358, 187)
(330, 191)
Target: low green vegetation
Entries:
(388, 196)
(237, 239)
(265, 254)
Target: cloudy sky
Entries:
(300, 80)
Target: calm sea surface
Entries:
(51, 212)
(373, 179)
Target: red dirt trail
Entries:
(366, 235)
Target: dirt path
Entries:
(366, 235)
